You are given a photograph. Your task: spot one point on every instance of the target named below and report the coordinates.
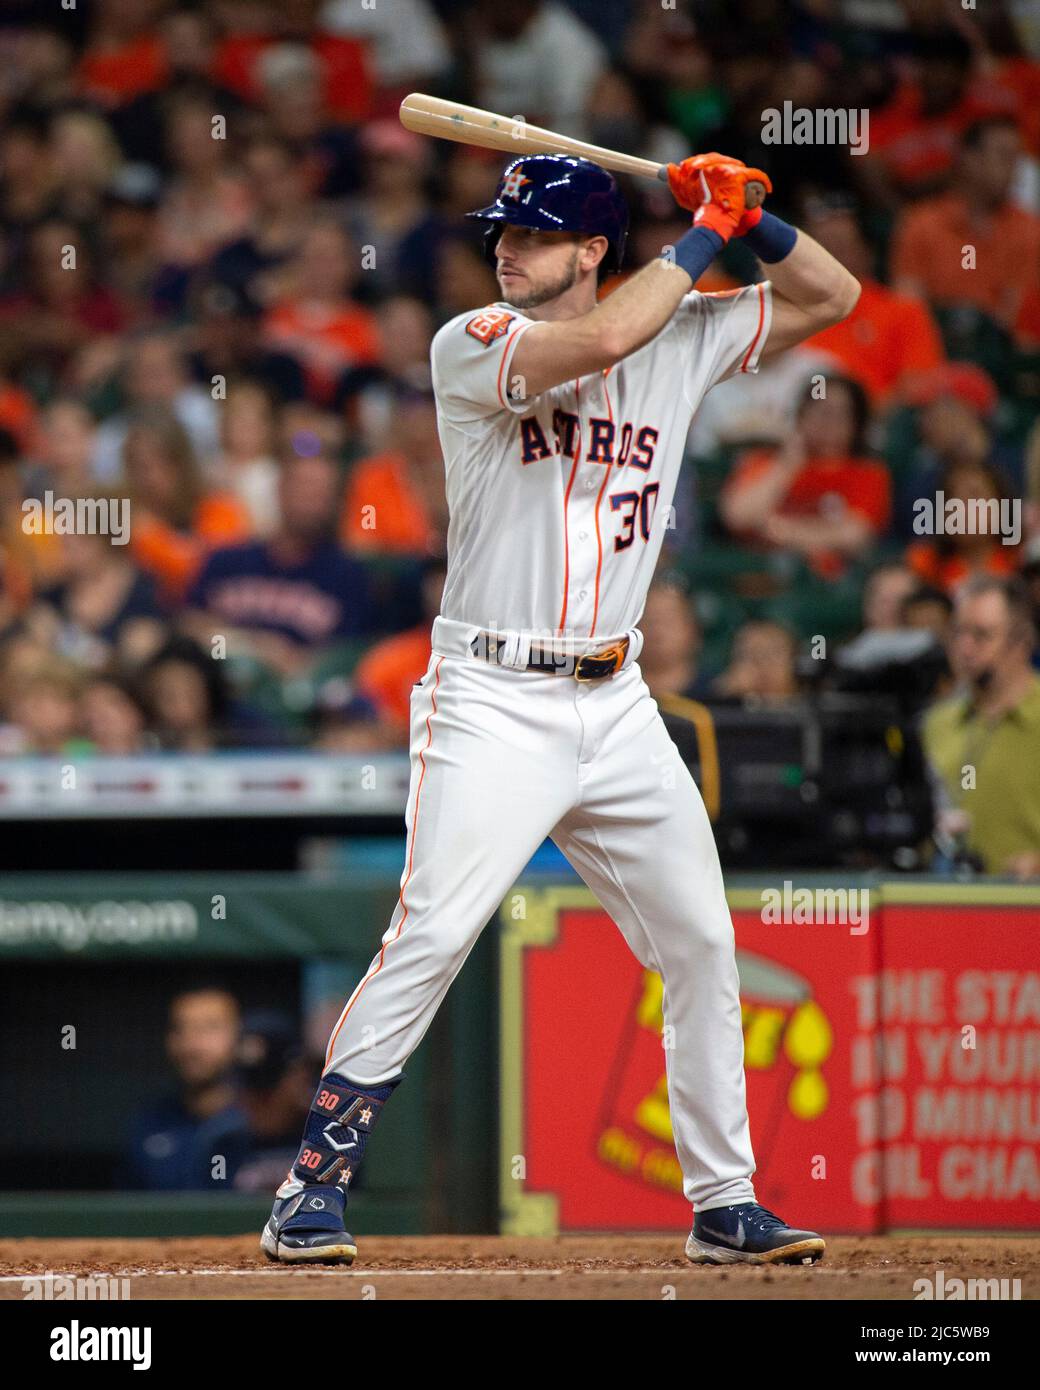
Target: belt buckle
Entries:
(616, 653)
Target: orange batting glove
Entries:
(711, 186)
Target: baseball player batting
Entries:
(563, 422)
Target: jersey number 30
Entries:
(642, 502)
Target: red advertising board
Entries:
(844, 1031)
(956, 1010)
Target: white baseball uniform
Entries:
(558, 508)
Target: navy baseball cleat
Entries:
(749, 1234)
(308, 1229)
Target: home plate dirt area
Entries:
(511, 1267)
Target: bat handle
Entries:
(754, 192)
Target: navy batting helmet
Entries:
(558, 193)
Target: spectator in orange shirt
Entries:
(929, 248)
(174, 521)
(124, 55)
(818, 494)
(948, 559)
(319, 323)
(387, 673)
(395, 500)
(887, 336)
(188, 39)
(914, 137)
(340, 66)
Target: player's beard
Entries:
(541, 294)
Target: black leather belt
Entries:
(593, 666)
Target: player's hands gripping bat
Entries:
(722, 193)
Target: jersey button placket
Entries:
(583, 562)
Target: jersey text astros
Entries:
(559, 502)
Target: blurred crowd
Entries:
(239, 1089)
(222, 260)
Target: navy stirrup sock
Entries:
(340, 1120)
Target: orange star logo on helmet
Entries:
(513, 182)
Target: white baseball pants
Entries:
(501, 758)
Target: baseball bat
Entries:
(468, 125)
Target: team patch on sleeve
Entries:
(488, 325)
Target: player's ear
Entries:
(593, 251)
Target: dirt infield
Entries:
(505, 1267)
